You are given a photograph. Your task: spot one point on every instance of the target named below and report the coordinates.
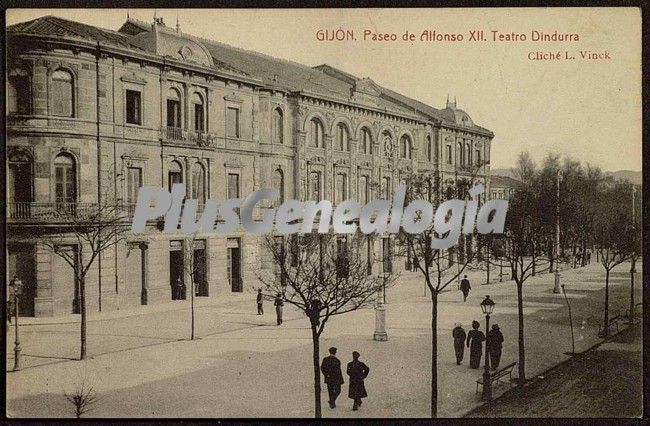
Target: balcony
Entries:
(44, 213)
(198, 137)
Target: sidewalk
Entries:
(141, 367)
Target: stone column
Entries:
(380, 334)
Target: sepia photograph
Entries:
(323, 213)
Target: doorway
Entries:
(22, 264)
(200, 269)
(176, 270)
(234, 265)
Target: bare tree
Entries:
(439, 268)
(190, 269)
(322, 275)
(82, 398)
(90, 229)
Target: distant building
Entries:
(95, 114)
(502, 187)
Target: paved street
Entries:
(243, 365)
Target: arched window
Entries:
(278, 126)
(429, 148)
(385, 188)
(198, 109)
(65, 180)
(198, 184)
(468, 154)
(175, 174)
(62, 94)
(173, 109)
(366, 141)
(405, 147)
(278, 183)
(460, 157)
(342, 138)
(316, 133)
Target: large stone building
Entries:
(94, 114)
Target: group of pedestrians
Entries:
(474, 341)
(357, 371)
(277, 302)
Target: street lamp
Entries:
(17, 287)
(380, 333)
(487, 306)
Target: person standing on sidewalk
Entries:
(495, 343)
(465, 287)
(357, 371)
(331, 368)
(260, 302)
(278, 307)
(458, 333)
(475, 339)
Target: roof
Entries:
(497, 181)
(54, 26)
(281, 74)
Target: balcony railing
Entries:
(198, 137)
(26, 211)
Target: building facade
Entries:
(94, 114)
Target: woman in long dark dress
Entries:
(475, 339)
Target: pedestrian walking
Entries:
(331, 368)
(459, 335)
(357, 371)
(475, 339)
(278, 307)
(465, 287)
(260, 302)
(495, 344)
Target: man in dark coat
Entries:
(260, 302)
(278, 307)
(465, 287)
(495, 343)
(475, 340)
(357, 371)
(458, 333)
(178, 289)
(331, 368)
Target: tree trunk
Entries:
(316, 343)
(192, 304)
(434, 354)
(522, 349)
(606, 321)
(82, 310)
(632, 271)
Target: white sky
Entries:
(590, 110)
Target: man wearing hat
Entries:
(459, 335)
(331, 368)
(357, 371)
(495, 343)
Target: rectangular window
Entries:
(233, 185)
(232, 122)
(385, 187)
(133, 107)
(369, 258)
(314, 186)
(173, 113)
(363, 195)
(198, 118)
(341, 188)
(18, 95)
(448, 154)
(133, 184)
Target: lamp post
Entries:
(487, 306)
(556, 288)
(17, 287)
(380, 334)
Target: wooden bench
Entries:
(496, 376)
